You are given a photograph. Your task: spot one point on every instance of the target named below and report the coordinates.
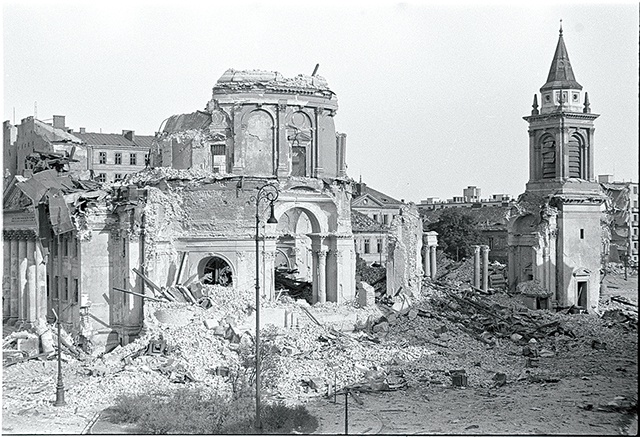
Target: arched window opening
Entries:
(217, 272)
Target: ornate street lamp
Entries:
(269, 193)
(60, 385)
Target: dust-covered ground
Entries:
(400, 365)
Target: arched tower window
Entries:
(548, 152)
(576, 157)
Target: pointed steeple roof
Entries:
(561, 73)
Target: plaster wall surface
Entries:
(579, 252)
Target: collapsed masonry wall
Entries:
(404, 264)
(214, 217)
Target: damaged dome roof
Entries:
(273, 80)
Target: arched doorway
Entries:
(217, 271)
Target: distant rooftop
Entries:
(98, 139)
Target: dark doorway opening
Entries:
(582, 294)
(217, 272)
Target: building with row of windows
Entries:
(371, 215)
(107, 157)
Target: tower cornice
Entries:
(556, 115)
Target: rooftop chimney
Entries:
(58, 121)
(83, 130)
(130, 135)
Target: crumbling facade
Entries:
(260, 127)
(555, 236)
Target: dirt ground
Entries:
(578, 390)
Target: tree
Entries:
(457, 232)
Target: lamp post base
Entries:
(60, 402)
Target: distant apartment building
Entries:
(378, 206)
(371, 214)
(622, 207)
(107, 157)
(471, 198)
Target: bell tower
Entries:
(556, 239)
(560, 130)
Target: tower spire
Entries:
(561, 74)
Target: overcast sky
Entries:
(431, 97)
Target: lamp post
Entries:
(269, 193)
(60, 385)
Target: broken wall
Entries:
(404, 262)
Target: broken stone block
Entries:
(219, 330)
(316, 383)
(402, 304)
(598, 345)
(380, 327)
(500, 379)
(29, 346)
(441, 329)
(413, 313)
(546, 353)
(516, 337)
(366, 294)
(210, 323)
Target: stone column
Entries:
(511, 266)
(31, 301)
(41, 283)
(341, 142)
(322, 276)
(238, 158)
(281, 138)
(15, 272)
(318, 169)
(485, 268)
(6, 279)
(476, 266)
(22, 278)
(432, 255)
(426, 265)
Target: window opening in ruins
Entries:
(582, 234)
(118, 158)
(299, 161)
(367, 247)
(217, 272)
(55, 287)
(582, 294)
(379, 245)
(219, 158)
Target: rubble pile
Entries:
(460, 271)
(448, 336)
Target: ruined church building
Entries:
(556, 238)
